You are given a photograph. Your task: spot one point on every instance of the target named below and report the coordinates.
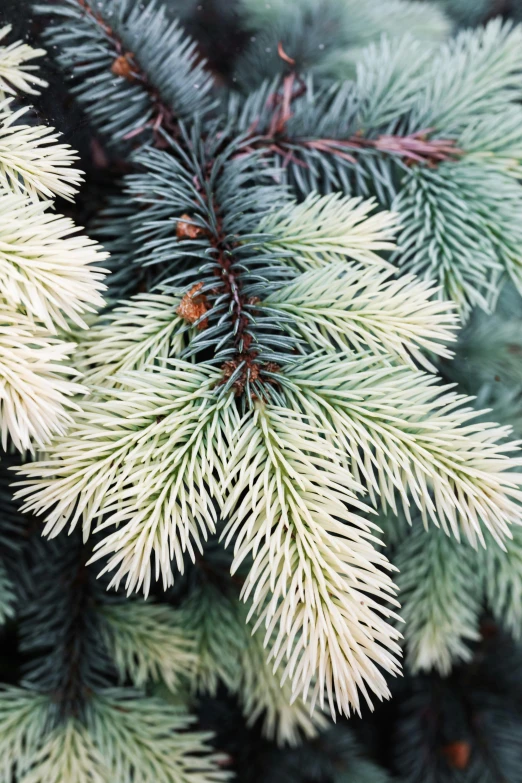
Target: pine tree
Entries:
(305, 243)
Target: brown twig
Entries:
(230, 283)
(283, 55)
(414, 148)
(244, 365)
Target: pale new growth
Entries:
(261, 693)
(23, 715)
(323, 228)
(49, 275)
(68, 754)
(137, 333)
(45, 267)
(15, 73)
(150, 459)
(31, 159)
(36, 383)
(316, 574)
(229, 652)
(148, 740)
(407, 436)
(346, 305)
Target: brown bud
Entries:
(249, 371)
(254, 372)
(247, 341)
(457, 754)
(186, 229)
(193, 306)
(125, 67)
(272, 367)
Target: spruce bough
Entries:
(290, 258)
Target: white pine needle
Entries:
(68, 755)
(137, 333)
(36, 385)
(150, 459)
(31, 159)
(348, 306)
(15, 73)
(23, 717)
(150, 741)
(229, 652)
(46, 268)
(406, 435)
(317, 581)
(322, 228)
(148, 642)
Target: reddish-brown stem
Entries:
(231, 284)
(413, 148)
(194, 304)
(245, 356)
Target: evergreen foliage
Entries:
(273, 427)
(47, 273)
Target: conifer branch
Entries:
(345, 305)
(404, 435)
(148, 643)
(23, 715)
(120, 56)
(48, 276)
(31, 160)
(16, 72)
(138, 333)
(268, 375)
(417, 147)
(230, 653)
(317, 582)
(68, 753)
(148, 740)
(45, 268)
(434, 573)
(126, 66)
(183, 473)
(38, 386)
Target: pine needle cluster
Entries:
(49, 275)
(266, 396)
(269, 376)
